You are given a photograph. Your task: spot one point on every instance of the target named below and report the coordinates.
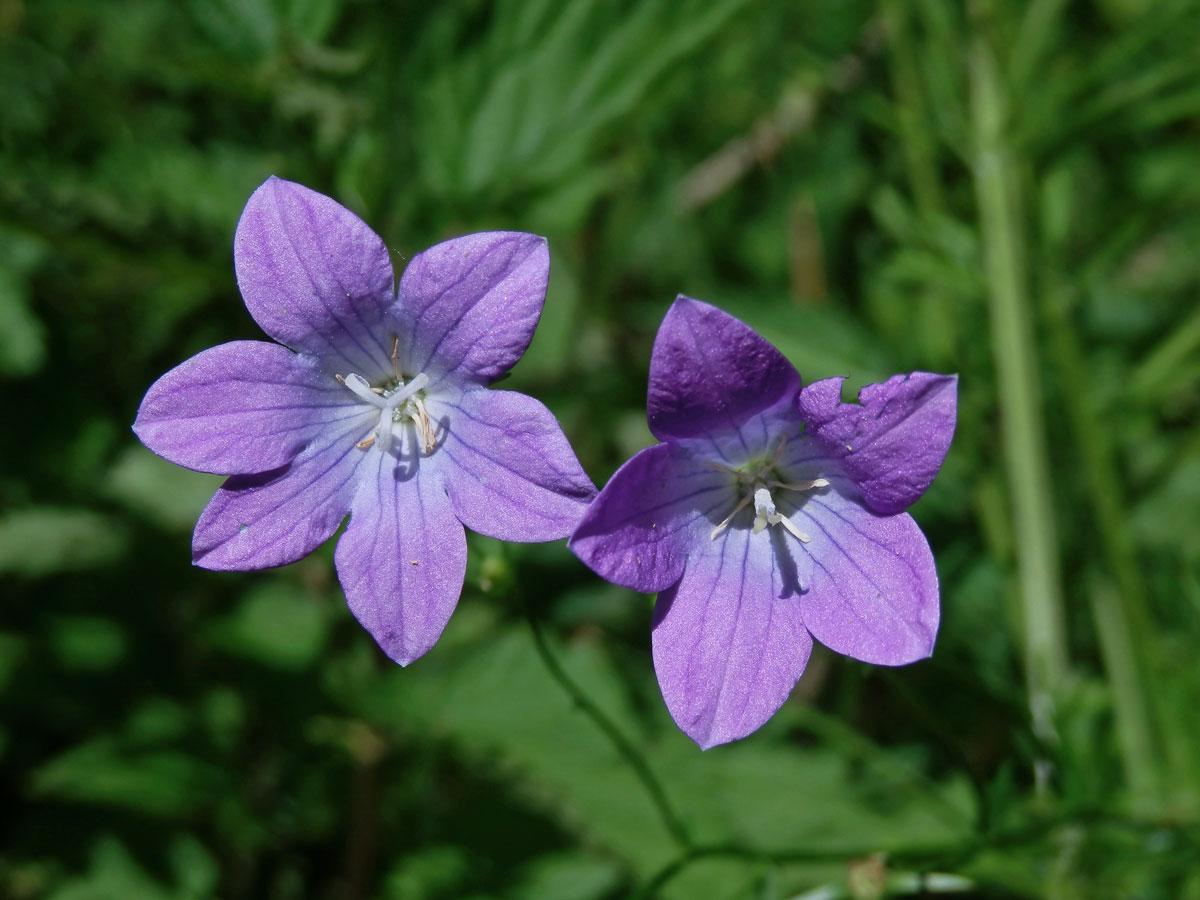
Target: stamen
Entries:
(779, 450)
(721, 468)
(363, 445)
(725, 524)
(792, 529)
(801, 485)
(424, 429)
(395, 355)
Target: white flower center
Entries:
(395, 404)
(757, 482)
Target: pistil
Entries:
(758, 486)
(393, 406)
(765, 514)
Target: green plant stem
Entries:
(1023, 437)
(1121, 618)
(1135, 736)
(670, 818)
(941, 857)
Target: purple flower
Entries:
(376, 405)
(768, 516)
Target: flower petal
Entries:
(277, 517)
(639, 530)
(242, 407)
(873, 589)
(509, 470)
(472, 303)
(729, 640)
(402, 558)
(710, 372)
(894, 443)
(316, 277)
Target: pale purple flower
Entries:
(768, 516)
(375, 404)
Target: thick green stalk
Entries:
(998, 194)
(1135, 735)
(1120, 615)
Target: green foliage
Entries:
(873, 186)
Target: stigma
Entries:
(765, 514)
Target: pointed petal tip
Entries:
(472, 303)
(710, 736)
(396, 648)
(400, 651)
(683, 305)
(401, 657)
(511, 473)
(710, 371)
(683, 300)
(206, 559)
(708, 741)
(270, 187)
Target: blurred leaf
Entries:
(277, 624)
(311, 19)
(568, 876)
(113, 873)
(427, 874)
(22, 338)
(171, 496)
(1165, 516)
(536, 116)
(22, 335)
(247, 29)
(104, 771)
(87, 642)
(13, 648)
(42, 540)
(157, 720)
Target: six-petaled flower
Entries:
(770, 514)
(375, 404)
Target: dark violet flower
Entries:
(375, 405)
(769, 515)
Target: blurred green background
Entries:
(1004, 190)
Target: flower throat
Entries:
(755, 481)
(397, 401)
